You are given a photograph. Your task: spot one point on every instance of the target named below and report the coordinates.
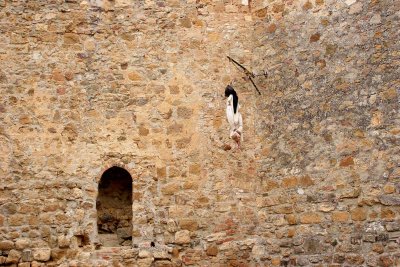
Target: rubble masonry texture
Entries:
(88, 85)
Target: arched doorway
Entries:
(114, 208)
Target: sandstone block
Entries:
(144, 253)
(42, 254)
(71, 38)
(161, 255)
(6, 245)
(358, 214)
(22, 243)
(195, 169)
(345, 162)
(16, 220)
(63, 241)
(212, 250)
(13, 256)
(283, 209)
(378, 248)
(186, 22)
(340, 216)
(326, 207)
(310, 218)
(41, 264)
(271, 28)
(315, 37)
(388, 214)
(258, 251)
(356, 8)
(289, 182)
(171, 188)
(182, 237)
(146, 262)
(231, 9)
(291, 219)
(24, 264)
(305, 181)
(389, 188)
(188, 224)
(164, 264)
(276, 261)
(134, 76)
(385, 261)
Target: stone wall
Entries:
(87, 85)
(328, 154)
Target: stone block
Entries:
(389, 200)
(212, 250)
(389, 188)
(144, 253)
(161, 255)
(310, 218)
(124, 232)
(393, 226)
(63, 241)
(388, 214)
(182, 237)
(6, 245)
(27, 255)
(291, 219)
(146, 262)
(358, 214)
(171, 188)
(289, 182)
(163, 264)
(347, 161)
(13, 256)
(22, 243)
(42, 254)
(340, 216)
(188, 224)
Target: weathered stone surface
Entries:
(389, 200)
(340, 216)
(182, 237)
(41, 254)
(145, 254)
(212, 250)
(63, 241)
(310, 217)
(27, 255)
(13, 256)
(6, 245)
(358, 214)
(91, 85)
(22, 243)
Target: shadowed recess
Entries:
(114, 207)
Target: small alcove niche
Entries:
(114, 208)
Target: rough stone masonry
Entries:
(90, 85)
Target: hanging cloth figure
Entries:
(233, 115)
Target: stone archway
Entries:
(114, 208)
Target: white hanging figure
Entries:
(233, 115)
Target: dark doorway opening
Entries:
(114, 208)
